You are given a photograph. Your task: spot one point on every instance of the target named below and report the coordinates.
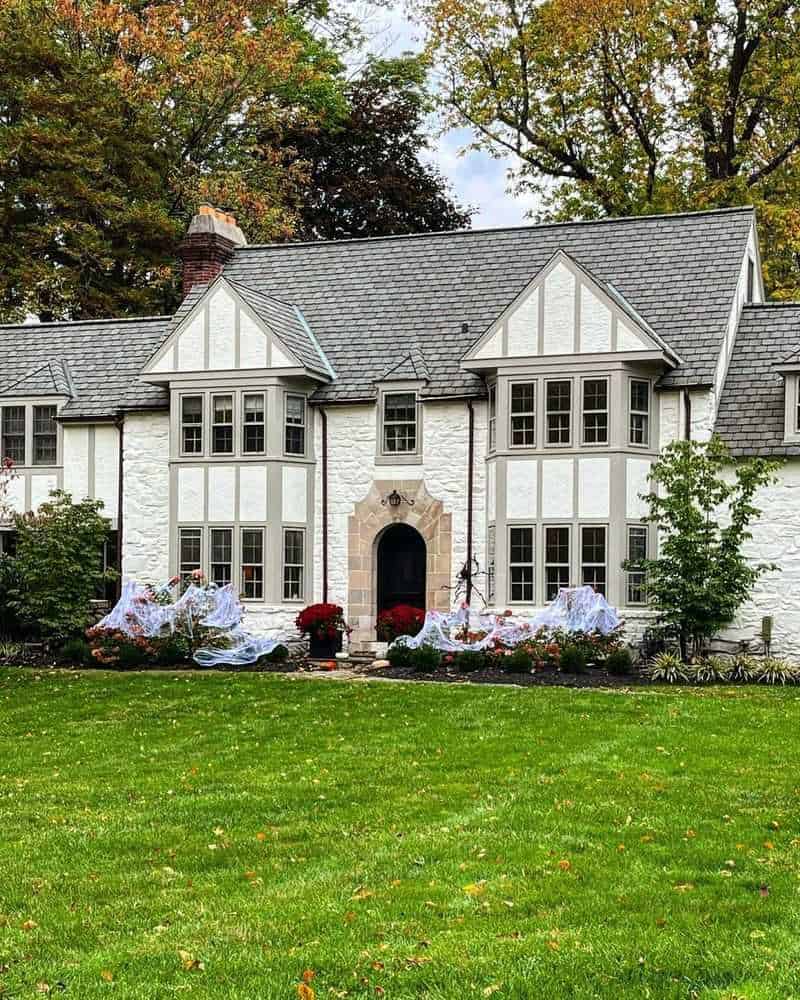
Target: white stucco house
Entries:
(357, 421)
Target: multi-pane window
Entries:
(520, 564)
(295, 439)
(558, 405)
(13, 421)
(221, 556)
(491, 535)
(593, 557)
(253, 563)
(399, 423)
(556, 561)
(293, 564)
(190, 550)
(44, 435)
(523, 414)
(253, 423)
(595, 411)
(492, 417)
(222, 425)
(639, 429)
(637, 553)
(192, 425)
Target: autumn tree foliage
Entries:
(625, 107)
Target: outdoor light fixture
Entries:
(394, 499)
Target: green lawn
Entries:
(217, 835)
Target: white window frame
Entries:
(182, 424)
(556, 565)
(630, 574)
(252, 565)
(405, 453)
(547, 413)
(213, 424)
(253, 423)
(514, 565)
(301, 566)
(523, 414)
(286, 425)
(584, 564)
(584, 411)
(646, 414)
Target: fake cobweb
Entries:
(577, 609)
(143, 611)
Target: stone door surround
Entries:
(366, 524)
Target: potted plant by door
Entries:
(325, 626)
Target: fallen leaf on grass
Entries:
(362, 893)
(190, 963)
(683, 887)
(308, 975)
(107, 976)
(494, 988)
(29, 925)
(565, 865)
(305, 992)
(475, 888)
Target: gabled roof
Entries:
(751, 415)
(100, 361)
(410, 368)
(368, 299)
(289, 326)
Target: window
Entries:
(492, 417)
(593, 557)
(295, 425)
(221, 556)
(399, 423)
(190, 550)
(595, 411)
(523, 414)
(253, 563)
(253, 423)
(637, 553)
(639, 423)
(491, 535)
(520, 564)
(222, 425)
(14, 434)
(293, 564)
(751, 279)
(8, 543)
(191, 425)
(44, 435)
(556, 561)
(559, 408)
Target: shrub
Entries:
(59, 564)
(666, 668)
(619, 662)
(278, 655)
(572, 659)
(400, 655)
(772, 670)
(711, 670)
(321, 621)
(10, 652)
(403, 619)
(426, 659)
(468, 661)
(517, 661)
(744, 668)
(77, 651)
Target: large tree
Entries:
(618, 107)
(365, 173)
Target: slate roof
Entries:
(750, 417)
(96, 363)
(369, 301)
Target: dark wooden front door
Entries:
(401, 568)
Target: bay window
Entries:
(253, 563)
(637, 553)
(295, 425)
(221, 556)
(222, 425)
(523, 414)
(639, 412)
(556, 560)
(293, 563)
(520, 564)
(558, 407)
(190, 550)
(595, 411)
(253, 425)
(593, 557)
(191, 425)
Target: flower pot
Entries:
(324, 649)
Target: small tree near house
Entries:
(58, 564)
(700, 577)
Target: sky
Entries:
(477, 179)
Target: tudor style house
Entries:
(357, 421)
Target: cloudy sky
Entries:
(477, 179)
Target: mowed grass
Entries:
(219, 835)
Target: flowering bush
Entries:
(322, 621)
(402, 619)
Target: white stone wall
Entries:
(352, 469)
(776, 539)
(145, 550)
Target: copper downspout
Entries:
(324, 418)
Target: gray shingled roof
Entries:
(287, 323)
(750, 417)
(99, 362)
(370, 301)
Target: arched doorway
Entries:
(401, 568)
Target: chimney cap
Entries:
(211, 220)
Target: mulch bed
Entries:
(592, 677)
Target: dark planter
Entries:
(324, 649)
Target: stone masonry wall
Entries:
(145, 550)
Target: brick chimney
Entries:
(208, 245)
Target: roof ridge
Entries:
(496, 229)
